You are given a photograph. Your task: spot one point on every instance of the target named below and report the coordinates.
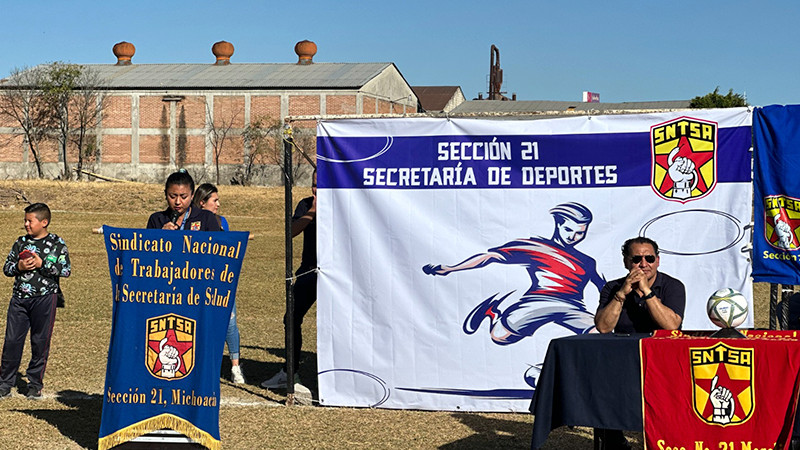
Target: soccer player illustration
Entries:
(559, 273)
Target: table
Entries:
(591, 380)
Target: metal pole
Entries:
(786, 292)
(773, 306)
(289, 328)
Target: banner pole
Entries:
(786, 292)
(773, 306)
(289, 328)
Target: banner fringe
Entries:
(156, 423)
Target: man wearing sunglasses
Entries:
(646, 299)
(643, 301)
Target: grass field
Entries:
(250, 417)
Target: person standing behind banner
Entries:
(304, 289)
(643, 301)
(37, 261)
(207, 197)
(180, 215)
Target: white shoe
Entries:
(236, 375)
(279, 380)
(276, 381)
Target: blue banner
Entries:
(776, 241)
(172, 297)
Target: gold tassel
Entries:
(156, 423)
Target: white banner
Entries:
(400, 198)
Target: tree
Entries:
(57, 86)
(715, 100)
(23, 103)
(219, 131)
(88, 103)
(263, 143)
(56, 100)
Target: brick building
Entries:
(160, 117)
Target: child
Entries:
(36, 261)
(207, 197)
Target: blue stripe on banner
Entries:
(512, 394)
(547, 161)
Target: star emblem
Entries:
(736, 386)
(700, 159)
(181, 346)
(773, 235)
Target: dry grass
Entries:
(250, 417)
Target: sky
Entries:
(549, 50)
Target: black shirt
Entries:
(634, 317)
(309, 259)
(198, 220)
(44, 280)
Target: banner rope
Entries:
(295, 277)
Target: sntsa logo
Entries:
(170, 346)
(781, 221)
(722, 384)
(684, 154)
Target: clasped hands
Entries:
(636, 280)
(30, 263)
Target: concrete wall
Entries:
(388, 93)
(457, 99)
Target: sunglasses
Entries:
(638, 258)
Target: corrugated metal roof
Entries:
(542, 106)
(239, 76)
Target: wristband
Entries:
(650, 295)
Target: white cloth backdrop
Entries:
(392, 336)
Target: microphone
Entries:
(174, 217)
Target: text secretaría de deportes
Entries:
(461, 175)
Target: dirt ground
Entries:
(250, 417)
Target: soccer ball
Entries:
(727, 308)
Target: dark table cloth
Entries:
(591, 380)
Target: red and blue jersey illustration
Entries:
(559, 274)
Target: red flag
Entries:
(703, 393)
